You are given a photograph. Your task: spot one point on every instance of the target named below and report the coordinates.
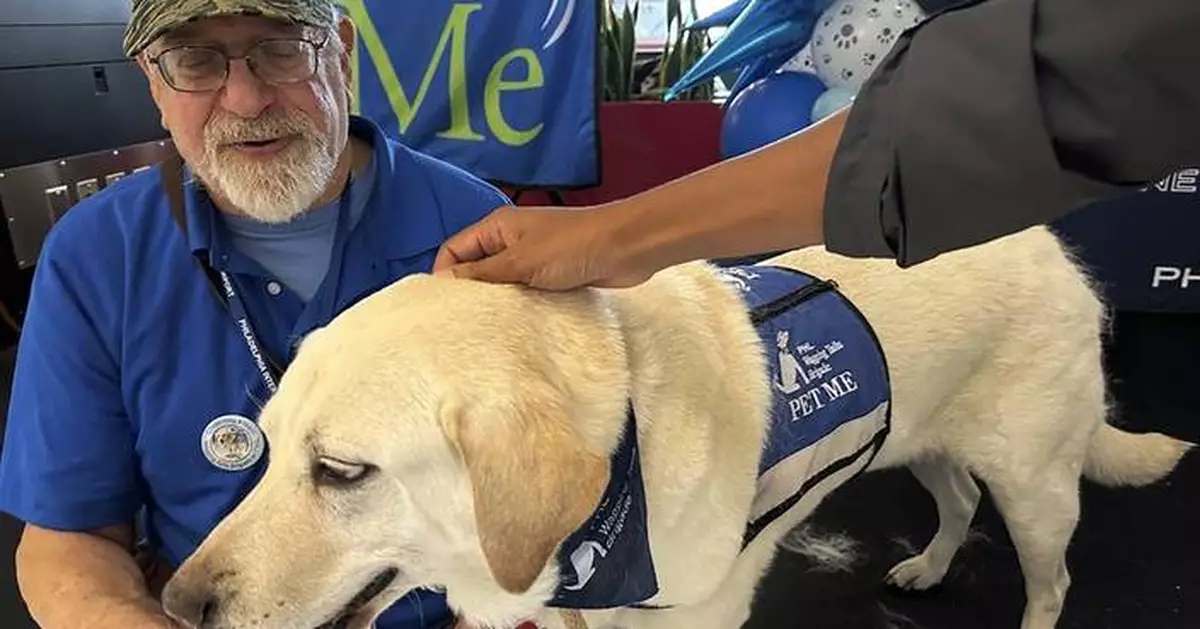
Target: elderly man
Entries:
(137, 383)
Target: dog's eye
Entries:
(332, 472)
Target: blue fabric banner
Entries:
(1144, 248)
(505, 89)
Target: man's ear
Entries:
(533, 482)
(150, 71)
(155, 83)
(348, 35)
(142, 59)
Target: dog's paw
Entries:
(915, 574)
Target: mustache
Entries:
(270, 126)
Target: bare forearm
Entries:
(765, 201)
(69, 580)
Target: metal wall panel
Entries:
(34, 197)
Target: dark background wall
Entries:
(12, 608)
(66, 87)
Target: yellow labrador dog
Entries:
(613, 452)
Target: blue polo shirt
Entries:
(126, 355)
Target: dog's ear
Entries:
(533, 482)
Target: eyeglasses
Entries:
(205, 68)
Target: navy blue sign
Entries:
(505, 89)
(1144, 248)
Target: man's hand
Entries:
(74, 579)
(546, 248)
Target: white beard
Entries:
(271, 191)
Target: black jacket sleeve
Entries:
(998, 115)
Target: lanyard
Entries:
(267, 366)
(269, 369)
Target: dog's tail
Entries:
(1117, 458)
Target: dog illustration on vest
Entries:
(789, 366)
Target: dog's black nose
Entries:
(193, 608)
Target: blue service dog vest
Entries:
(831, 414)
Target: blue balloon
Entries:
(762, 28)
(832, 100)
(720, 17)
(760, 68)
(767, 110)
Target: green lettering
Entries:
(454, 35)
(496, 85)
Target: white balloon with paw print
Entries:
(852, 36)
(801, 62)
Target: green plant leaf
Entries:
(619, 60)
(628, 43)
(612, 55)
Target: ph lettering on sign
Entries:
(1174, 277)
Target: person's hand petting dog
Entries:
(546, 248)
(770, 199)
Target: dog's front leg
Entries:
(557, 619)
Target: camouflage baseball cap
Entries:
(152, 18)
